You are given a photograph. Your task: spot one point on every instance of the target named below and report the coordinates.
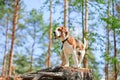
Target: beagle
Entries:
(70, 45)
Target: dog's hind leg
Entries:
(75, 58)
(82, 53)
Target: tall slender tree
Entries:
(50, 38)
(86, 34)
(69, 12)
(65, 12)
(34, 22)
(83, 19)
(15, 18)
(114, 38)
(6, 44)
(33, 45)
(65, 23)
(107, 46)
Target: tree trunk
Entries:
(69, 12)
(115, 51)
(83, 30)
(32, 52)
(86, 34)
(107, 47)
(48, 64)
(6, 44)
(65, 12)
(31, 57)
(15, 18)
(60, 73)
(115, 56)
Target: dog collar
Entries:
(64, 42)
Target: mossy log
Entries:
(60, 73)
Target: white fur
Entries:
(67, 49)
(82, 56)
(57, 32)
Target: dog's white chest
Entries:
(67, 48)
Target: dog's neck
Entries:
(65, 40)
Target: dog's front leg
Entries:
(75, 58)
(63, 59)
(66, 56)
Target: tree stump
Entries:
(60, 73)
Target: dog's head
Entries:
(61, 32)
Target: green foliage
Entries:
(34, 16)
(21, 63)
(2, 6)
(21, 26)
(93, 64)
(113, 22)
(100, 1)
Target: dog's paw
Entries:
(66, 65)
(79, 65)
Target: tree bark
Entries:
(65, 12)
(115, 56)
(115, 50)
(69, 12)
(83, 30)
(15, 18)
(107, 46)
(6, 44)
(86, 34)
(48, 64)
(60, 73)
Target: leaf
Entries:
(101, 1)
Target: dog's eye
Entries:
(59, 30)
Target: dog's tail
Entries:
(85, 43)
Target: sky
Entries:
(33, 4)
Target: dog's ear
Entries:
(65, 30)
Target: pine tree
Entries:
(65, 12)
(83, 20)
(33, 45)
(15, 18)
(6, 44)
(48, 63)
(107, 46)
(114, 39)
(86, 34)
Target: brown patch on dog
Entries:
(76, 44)
(72, 42)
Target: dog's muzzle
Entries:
(55, 35)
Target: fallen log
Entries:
(60, 73)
